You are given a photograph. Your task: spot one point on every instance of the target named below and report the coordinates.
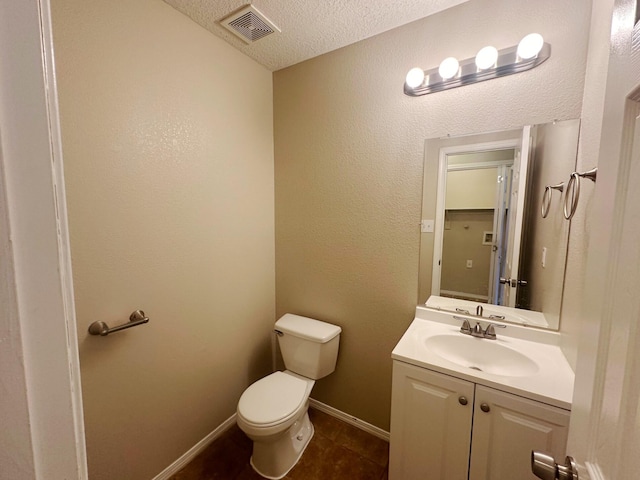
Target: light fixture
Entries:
(415, 77)
(487, 64)
(449, 68)
(486, 58)
(530, 46)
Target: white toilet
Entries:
(273, 410)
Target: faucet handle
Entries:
(466, 327)
(490, 332)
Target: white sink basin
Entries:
(523, 360)
(481, 355)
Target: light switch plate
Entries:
(426, 226)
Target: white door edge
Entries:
(64, 244)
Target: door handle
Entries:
(513, 282)
(544, 466)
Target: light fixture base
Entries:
(507, 63)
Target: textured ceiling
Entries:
(309, 27)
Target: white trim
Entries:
(32, 176)
(350, 419)
(478, 165)
(509, 144)
(193, 452)
(64, 243)
(516, 241)
(453, 293)
(438, 237)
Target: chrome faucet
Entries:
(477, 330)
(479, 310)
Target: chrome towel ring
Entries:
(573, 191)
(546, 197)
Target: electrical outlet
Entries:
(469, 263)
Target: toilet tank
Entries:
(309, 347)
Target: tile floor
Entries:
(336, 451)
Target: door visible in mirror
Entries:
(490, 243)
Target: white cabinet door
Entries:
(504, 436)
(430, 425)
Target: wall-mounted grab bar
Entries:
(100, 328)
(573, 187)
(546, 197)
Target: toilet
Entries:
(273, 410)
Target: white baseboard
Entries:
(181, 462)
(350, 419)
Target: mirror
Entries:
(490, 244)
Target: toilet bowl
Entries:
(273, 412)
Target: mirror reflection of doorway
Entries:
(476, 224)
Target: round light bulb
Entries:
(415, 77)
(486, 58)
(448, 68)
(530, 46)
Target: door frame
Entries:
(441, 192)
(43, 348)
(498, 251)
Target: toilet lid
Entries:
(271, 399)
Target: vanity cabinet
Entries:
(445, 428)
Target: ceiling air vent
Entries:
(249, 24)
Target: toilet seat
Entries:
(274, 400)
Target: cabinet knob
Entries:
(485, 407)
(463, 400)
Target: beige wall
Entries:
(462, 241)
(584, 233)
(553, 161)
(168, 150)
(471, 189)
(349, 160)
